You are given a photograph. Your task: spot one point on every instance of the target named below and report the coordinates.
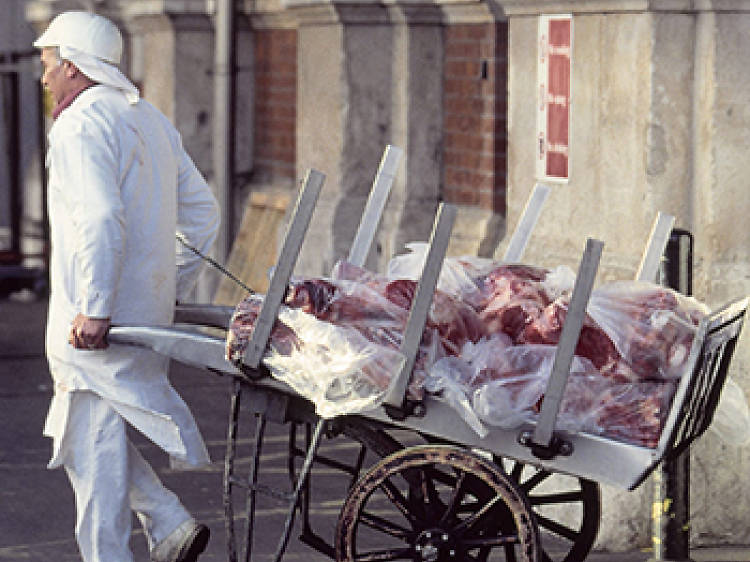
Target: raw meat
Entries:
(489, 345)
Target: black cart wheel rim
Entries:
(436, 503)
(567, 509)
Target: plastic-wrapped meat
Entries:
(488, 346)
(593, 343)
(370, 305)
(651, 327)
(512, 297)
(514, 281)
(336, 367)
(634, 412)
(635, 340)
(517, 296)
(374, 307)
(345, 302)
(242, 326)
(450, 322)
(455, 322)
(503, 386)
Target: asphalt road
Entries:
(37, 513)
(37, 506)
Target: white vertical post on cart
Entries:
(529, 217)
(277, 287)
(441, 233)
(648, 269)
(376, 201)
(571, 329)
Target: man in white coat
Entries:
(121, 187)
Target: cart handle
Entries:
(211, 315)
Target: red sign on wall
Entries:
(553, 119)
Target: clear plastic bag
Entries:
(496, 384)
(336, 367)
(336, 341)
(652, 327)
(732, 417)
(450, 380)
(516, 379)
(502, 385)
(458, 276)
(633, 412)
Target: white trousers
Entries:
(111, 479)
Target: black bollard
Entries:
(671, 508)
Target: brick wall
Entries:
(475, 108)
(275, 103)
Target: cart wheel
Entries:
(567, 509)
(436, 503)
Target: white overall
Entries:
(120, 187)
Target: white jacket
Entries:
(120, 186)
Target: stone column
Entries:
(368, 75)
(173, 61)
(659, 122)
(720, 205)
(172, 52)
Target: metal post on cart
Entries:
(671, 507)
(373, 211)
(527, 222)
(543, 441)
(395, 401)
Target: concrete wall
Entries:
(721, 205)
(658, 123)
(366, 79)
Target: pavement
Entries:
(37, 506)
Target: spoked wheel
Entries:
(436, 503)
(567, 509)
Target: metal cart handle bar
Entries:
(395, 400)
(277, 288)
(544, 443)
(210, 315)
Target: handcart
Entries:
(439, 491)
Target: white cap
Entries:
(86, 32)
(91, 42)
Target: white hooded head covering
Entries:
(93, 44)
